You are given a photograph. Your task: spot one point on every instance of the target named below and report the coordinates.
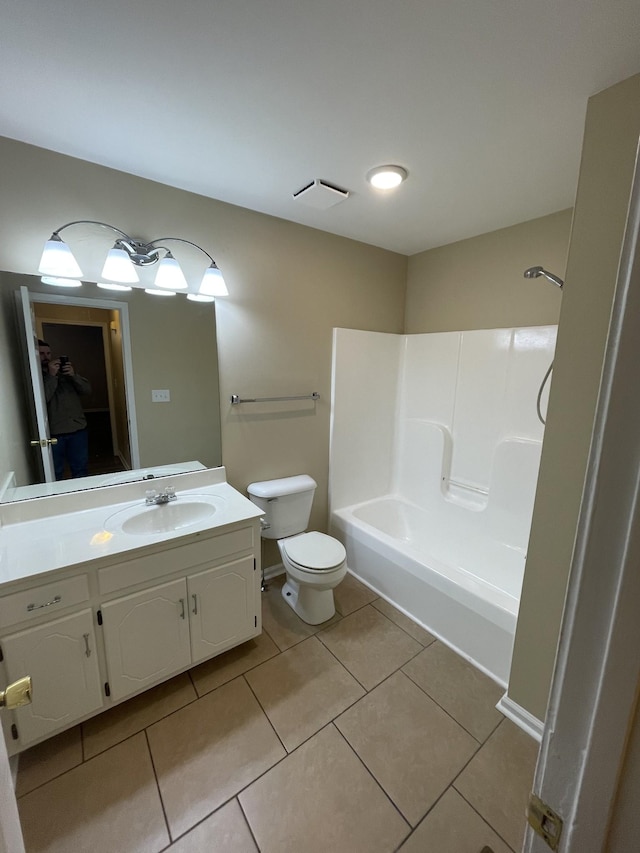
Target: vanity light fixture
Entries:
(155, 291)
(386, 177)
(127, 254)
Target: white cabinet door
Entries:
(222, 602)
(146, 637)
(61, 658)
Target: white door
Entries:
(597, 672)
(40, 421)
(222, 602)
(61, 658)
(146, 637)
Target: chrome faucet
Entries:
(152, 496)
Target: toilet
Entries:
(314, 562)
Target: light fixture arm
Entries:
(181, 240)
(140, 252)
(91, 222)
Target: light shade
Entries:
(57, 260)
(169, 274)
(109, 285)
(58, 281)
(200, 297)
(153, 291)
(212, 283)
(118, 267)
(386, 177)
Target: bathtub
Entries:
(444, 568)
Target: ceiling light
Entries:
(122, 261)
(386, 177)
(58, 281)
(109, 285)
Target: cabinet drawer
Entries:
(177, 559)
(43, 600)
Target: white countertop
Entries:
(42, 535)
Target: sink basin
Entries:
(142, 520)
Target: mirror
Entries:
(173, 347)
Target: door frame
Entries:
(594, 688)
(123, 309)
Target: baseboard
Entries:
(125, 465)
(273, 571)
(521, 717)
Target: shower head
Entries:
(535, 272)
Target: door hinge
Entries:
(99, 614)
(254, 564)
(1, 655)
(255, 621)
(547, 823)
(14, 731)
(107, 689)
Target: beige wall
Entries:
(608, 157)
(290, 286)
(479, 283)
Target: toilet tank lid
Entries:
(283, 486)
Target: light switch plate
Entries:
(161, 396)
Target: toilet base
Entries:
(312, 605)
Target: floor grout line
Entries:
(155, 776)
(484, 819)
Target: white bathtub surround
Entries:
(435, 447)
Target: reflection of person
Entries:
(67, 422)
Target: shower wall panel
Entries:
(363, 414)
(440, 415)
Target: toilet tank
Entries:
(286, 504)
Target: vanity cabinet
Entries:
(89, 638)
(151, 635)
(61, 658)
(146, 637)
(222, 609)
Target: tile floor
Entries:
(363, 735)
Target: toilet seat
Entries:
(314, 552)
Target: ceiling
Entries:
(482, 101)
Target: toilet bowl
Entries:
(314, 563)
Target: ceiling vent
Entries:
(321, 195)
